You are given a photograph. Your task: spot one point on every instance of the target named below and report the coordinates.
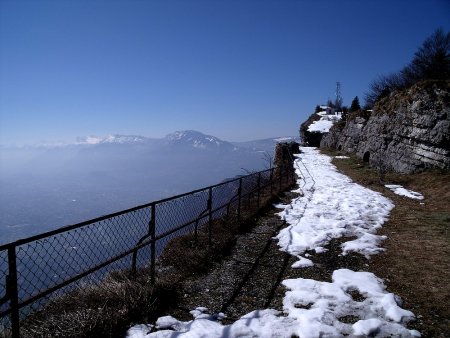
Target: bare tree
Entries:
(430, 62)
(383, 86)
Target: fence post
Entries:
(152, 225)
(210, 217)
(239, 199)
(196, 233)
(13, 292)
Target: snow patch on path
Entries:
(311, 308)
(399, 190)
(325, 309)
(259, 323)
(332, 206)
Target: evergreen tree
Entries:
(355, 105)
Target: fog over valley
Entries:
(46, 187)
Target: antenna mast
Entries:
(338, 102)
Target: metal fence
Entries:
(41, 267)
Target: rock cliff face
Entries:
(407, 132)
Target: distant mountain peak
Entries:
(184, 134)
(197, 139)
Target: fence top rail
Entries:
(122, 212)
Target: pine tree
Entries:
(355, 105)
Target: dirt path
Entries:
(249, 278)
(414, 266)
(245, 280)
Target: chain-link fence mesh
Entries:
(50, 261)
(51, 265)
(4, 306)
(180, 211)
(222, 195)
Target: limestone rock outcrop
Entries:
(406, 132)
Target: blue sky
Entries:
(238, 70)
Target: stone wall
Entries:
(284, 153)
(407, 132)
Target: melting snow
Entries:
(325, 123)
(332, 206)
(322, 309)
(399, 190)
(259, 323)
(353, 304)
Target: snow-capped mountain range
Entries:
(195, 138)
(184, 138)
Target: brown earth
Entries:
(416, 263)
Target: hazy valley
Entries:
(45, 187)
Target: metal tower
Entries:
(338, 102)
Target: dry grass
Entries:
(105, 309)
(416, 263)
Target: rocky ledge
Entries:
(408, 131)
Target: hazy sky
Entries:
(238, 70)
